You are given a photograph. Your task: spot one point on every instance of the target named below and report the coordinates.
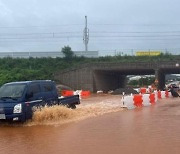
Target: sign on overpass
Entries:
(148, 53)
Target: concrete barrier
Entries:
(127, 101)
(140, 100)
(146, 100)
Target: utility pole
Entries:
(86, 35)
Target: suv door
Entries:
(33, 98)
(49, 92)
(34, 93)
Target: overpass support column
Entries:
(122, 81)
(159, 79)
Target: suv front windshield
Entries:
(12, 91)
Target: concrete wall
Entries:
(52, 54)
(77, 79)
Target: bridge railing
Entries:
(150, 65)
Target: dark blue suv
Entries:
(18, 98)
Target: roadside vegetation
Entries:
(145, 81)
(18, 69)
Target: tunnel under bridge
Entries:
(110, 76)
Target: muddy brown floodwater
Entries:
(98, 126)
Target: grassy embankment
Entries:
(44, 68)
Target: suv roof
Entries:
(33, 81)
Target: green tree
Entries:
(68, 53)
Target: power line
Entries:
(56, 35)
(107, 41)
(49, 33)
(111, 35)
(50, 26)
(113, 24)
(80, 24)
(116, 32)
(76, 37)
(101, 34)
(93, 32)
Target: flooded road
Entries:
(147, 130)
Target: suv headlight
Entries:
(17, 108)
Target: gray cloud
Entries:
(58, 16)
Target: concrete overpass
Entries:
(110, 76)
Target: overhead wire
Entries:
(74, 34)
(101, 36)
(111, 35)
(40, 26)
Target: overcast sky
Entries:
(114, 25)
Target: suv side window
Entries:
(34, 89)
(47, 87)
